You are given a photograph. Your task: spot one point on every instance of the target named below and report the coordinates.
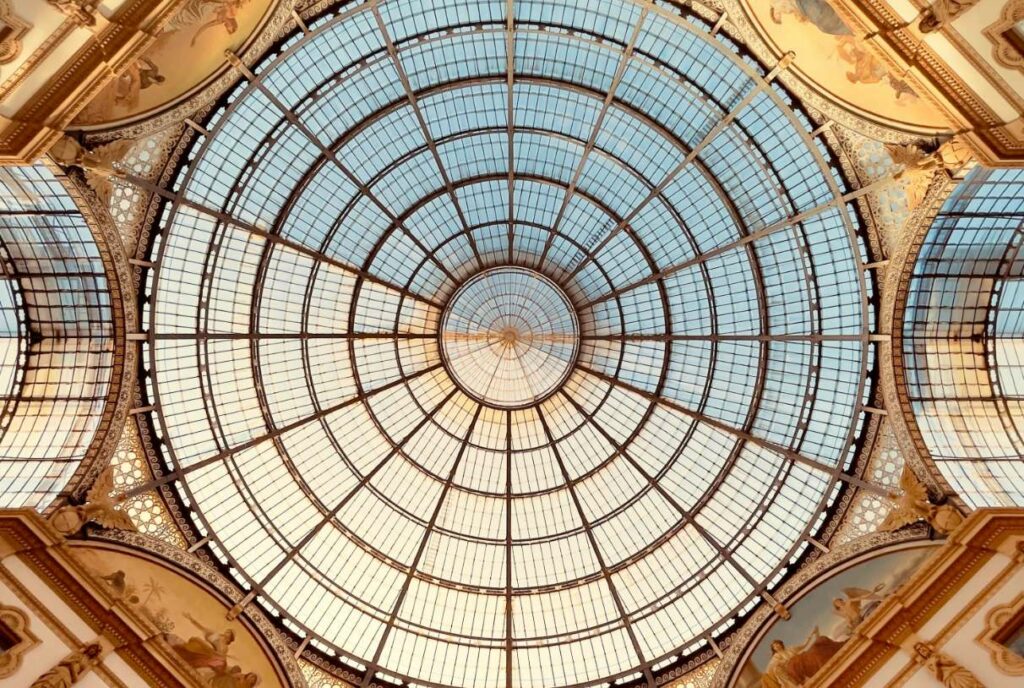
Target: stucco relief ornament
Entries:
(82, 12)
(942, 12)
(942, 667)
(97, 164)
(17, 624)
(99, 508)
(912, 504)
(71, 668)
(12, 28)
(918, 164)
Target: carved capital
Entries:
(82, 12)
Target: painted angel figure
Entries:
(206, 14)
(855, 604)
(790, 667)
(210, 653)
(207, 652)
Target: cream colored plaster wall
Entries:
(39, 75)
(50, 650)
(963, 645)
(53, 647)
(972, 24)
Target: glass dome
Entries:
(508, 343)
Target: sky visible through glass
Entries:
(720, 358)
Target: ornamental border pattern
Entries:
(893, 312)
(123, 290)
(277, 25)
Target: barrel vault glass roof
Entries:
(56, 337)
(963, 339)
(348, 187)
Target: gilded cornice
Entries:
(279, 23)
(892, 625)
(25, 535)
(276, 645)
(984, 129)
(816, 572)
(39, 123)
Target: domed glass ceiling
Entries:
(509, 343)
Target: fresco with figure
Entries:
(826, 46)
(222, 653)
(188, 51)
(791, 652)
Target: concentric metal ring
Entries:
(509, 337)
(420, 526)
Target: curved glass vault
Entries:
(963, 346)
(57, 337)
(502, 349)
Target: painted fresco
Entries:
(189, 51)
(826, 46)
(790, 652)
(223, 654)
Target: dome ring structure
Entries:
(696, 272)
(509, 337)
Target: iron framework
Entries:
(354, 180)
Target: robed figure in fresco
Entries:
(209, 656)
(789, 667)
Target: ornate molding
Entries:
(81, 12)
(891, 627)
(113, 44)
(986, 132)
(124, 308)
(41, 550)
(279, 23)
(1000, 622)
(12, 28)
(15, 622)
(1004, 49)
(941, 12)
(895, 292)
(74, 666)
(943, 667)
(742, 26)
(38, 55)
